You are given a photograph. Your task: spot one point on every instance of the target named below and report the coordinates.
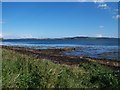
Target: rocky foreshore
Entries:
(57, 56)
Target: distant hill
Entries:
(64, 38)
(1, 38)
(84, 38)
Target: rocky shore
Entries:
(57, 56)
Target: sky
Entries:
(59, 19)
(60, 0)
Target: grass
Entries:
(21, 71)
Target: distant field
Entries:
(21, 71)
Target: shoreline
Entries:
(57, 56)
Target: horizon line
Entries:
(61, 37)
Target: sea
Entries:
(103, 48)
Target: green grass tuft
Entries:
(21, 71)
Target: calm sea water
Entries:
(96, 48)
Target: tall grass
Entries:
(21, 71)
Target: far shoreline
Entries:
(60, 38)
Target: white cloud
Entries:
(116, 17)
(101, 26)
(103, 6)
(95, 1)
(15, 36)
(98, 35)
(1, 35)
(10, 36)
(82, 0)
(99, 1)
(26, 36)
(101, 35)
(115, 11)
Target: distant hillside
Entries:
(65, 38)
(1, 38)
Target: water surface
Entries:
(96, 48)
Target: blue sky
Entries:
(60, 19)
